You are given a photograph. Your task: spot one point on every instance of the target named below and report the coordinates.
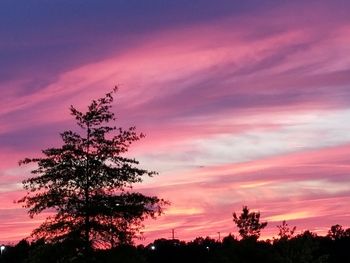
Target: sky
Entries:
(242, 103)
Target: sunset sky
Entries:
(242, 103)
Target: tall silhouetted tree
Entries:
(248, 224)
(86, 183)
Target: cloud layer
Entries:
(242, 104)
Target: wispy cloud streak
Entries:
(242, 104)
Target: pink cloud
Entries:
(204, 205)
(189, 88)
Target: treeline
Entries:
(303, 248)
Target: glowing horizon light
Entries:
(2, 248)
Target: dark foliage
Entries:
(285, 232)
(86, 184)
(303, 248)
(248, 223)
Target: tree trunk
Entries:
(87, 197)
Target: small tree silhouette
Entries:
(249, 224)
(86, 183)
(336, 232)
(285, 232)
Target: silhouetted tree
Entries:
(285, 232)
(86, 183)
(248, 224)
(229, 240)
(336, 232)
